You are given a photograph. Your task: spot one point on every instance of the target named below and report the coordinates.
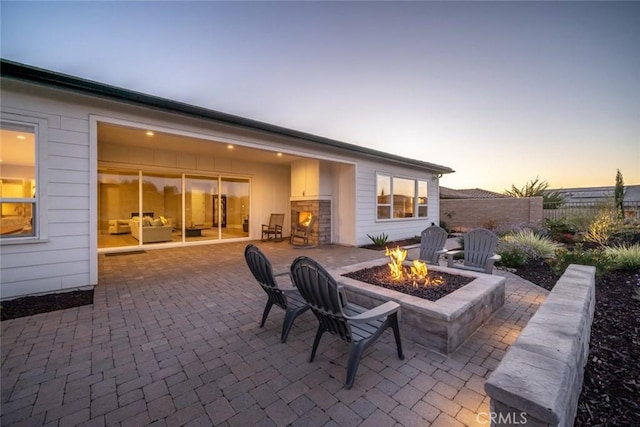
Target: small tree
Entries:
(535, 187)
(618, 194)
(602, 226)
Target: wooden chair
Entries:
(274, 228)
(351, 323)
(432, 241)
(302, 233)
(287, 299)
(479, 251)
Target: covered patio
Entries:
(173, 338)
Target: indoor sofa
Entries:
(153, 230)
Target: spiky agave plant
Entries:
(380, 240)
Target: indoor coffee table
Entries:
(194, 231)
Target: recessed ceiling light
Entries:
(21, 137)
(230, 147)
(149, 133)
(279, 154)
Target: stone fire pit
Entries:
(442, 325)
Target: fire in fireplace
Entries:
(314, 215)
(303, 229)
(304, 218)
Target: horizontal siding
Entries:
(69, 137)
(59, 243)
(66, 206)
(75, 124)
(69, 229)
(68, 150)
(366, 205)
(61, 261)
(68, 163)
(64, 260)
(55, 280)
(68, 177)
(61, 256)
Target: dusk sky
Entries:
(501, 92)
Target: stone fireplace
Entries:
(321, 232)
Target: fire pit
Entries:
(412, 279)
(441, 325)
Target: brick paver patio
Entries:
(173, 338)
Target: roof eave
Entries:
(32, 74)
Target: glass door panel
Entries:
(161, 209)
(201, 220)
(235, 207)
(118, 199)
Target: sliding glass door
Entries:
(140, 208)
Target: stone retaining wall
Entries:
(539, 380)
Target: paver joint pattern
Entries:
(173, 339)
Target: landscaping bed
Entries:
(27, 306)
(612, 374)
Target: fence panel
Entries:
(585, 210)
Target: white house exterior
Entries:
(81, 176)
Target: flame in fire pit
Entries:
(418, 273)
(397, 257)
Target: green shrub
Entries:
(596, 257)
(627, 232)
(625, 257)
(559, 225)
(542, 246)
(380, 240)
(561, 229)
(514, 254)
(521, 246)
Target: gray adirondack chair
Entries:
(350, 322)
(432, 241)
(479, 251)
(287, 299)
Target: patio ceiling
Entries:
(125, 135)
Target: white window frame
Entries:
(416, 204)
(40, 224)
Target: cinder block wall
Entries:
(464, 214)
